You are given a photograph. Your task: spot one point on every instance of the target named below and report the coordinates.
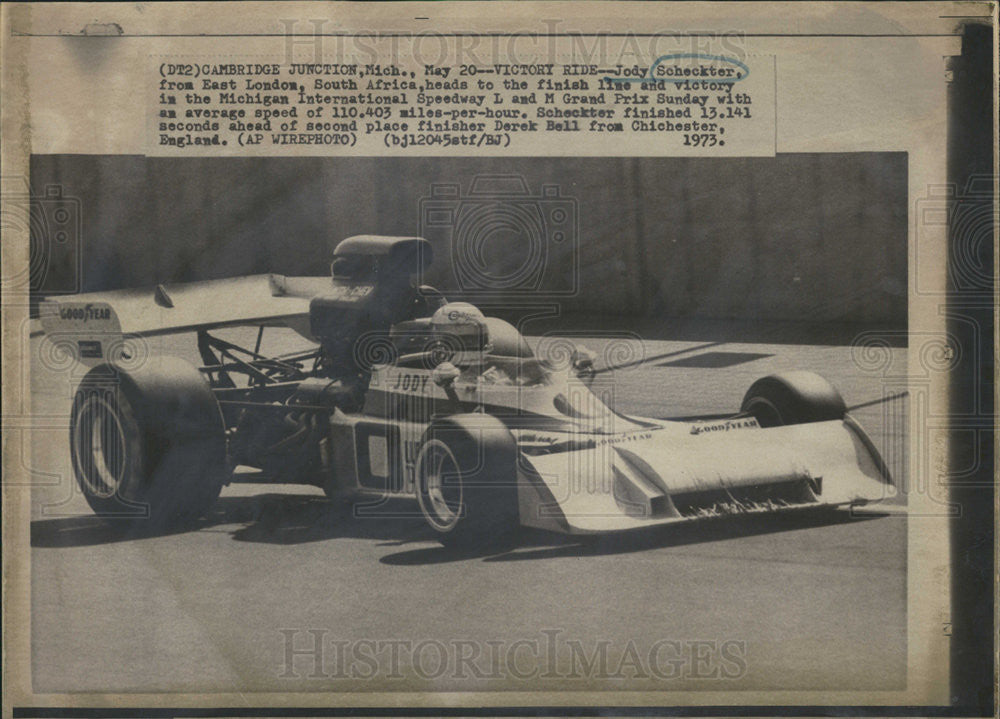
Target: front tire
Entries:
(793, 398)
(466, 484)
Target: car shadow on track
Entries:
(273, 518)
(284, 519)
(536, 544)
(270, 518)
(88, 531)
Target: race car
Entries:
(405, 394)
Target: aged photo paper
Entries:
(461, 354)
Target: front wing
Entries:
(668, 476)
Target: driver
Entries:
(458, 334)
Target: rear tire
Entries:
(793, 398)
(148, 445)
(466, 485)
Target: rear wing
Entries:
(93, 326)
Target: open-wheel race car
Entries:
(402, 393)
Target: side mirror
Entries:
(445, 374)
(433, 297)
(583, 361)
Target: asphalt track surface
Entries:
(813, 601)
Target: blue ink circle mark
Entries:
(686, 56)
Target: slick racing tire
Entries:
(466, 483)
(793, 398)
(148, 445)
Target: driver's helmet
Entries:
(459, 328)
